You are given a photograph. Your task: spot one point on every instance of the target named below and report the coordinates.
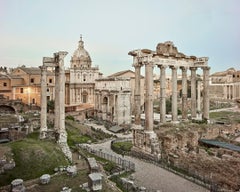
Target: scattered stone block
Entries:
(45, 179)
(72, 170)
(66, 189)
(17, 185)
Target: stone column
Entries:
(199, 95)
(193, 92)
(149, 96)
(184, 93)
(137, 95)
(43, 128)
(56, 102)
(206, 92)
(174, 94)
(162, 94)
(61, 82)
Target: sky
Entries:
(33, 29)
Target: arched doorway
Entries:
(7, 109)
(84, 97)
(104, 108)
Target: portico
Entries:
(166, 56)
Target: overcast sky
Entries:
(32, 29)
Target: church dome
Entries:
(81, 58)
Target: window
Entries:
(33, 101)
(32, 80)
(5, 84)
(21, 90)
(50, 80)
(47, 89)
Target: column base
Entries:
(175, 122)
(43, 134)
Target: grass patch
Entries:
(122, 147)
(225, 116)
(117, 179)
(64, 180)
(83, 134)
(33, 158)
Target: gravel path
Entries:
(153, 177)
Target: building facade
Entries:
(113, 97)
(23, 83)
(80, 80)
(225, 85)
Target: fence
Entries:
(125, 164)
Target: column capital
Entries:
(193, 68)
(206, 68)
(162, 67)
(149, 63)
(183, 68)
(137, 65)
(43, 68)
(173, 67)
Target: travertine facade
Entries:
(131, 75)
(80, 79)
(225, 85)
(112, 100)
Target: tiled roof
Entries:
(31, 70)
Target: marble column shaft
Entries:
(184, 93)
(174, 93)
(193, 92)
(62, 129)
(162, 94)
(56, 100)
(149, 96)
(43, 128)
(206, 92)
(199, 95)
(137, 94)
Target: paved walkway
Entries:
(153, 177)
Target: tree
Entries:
(50, 106)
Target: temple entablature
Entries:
(168, 56)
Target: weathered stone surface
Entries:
(17, 185)
(45, 179)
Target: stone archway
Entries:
(7, 109)
(104, 107)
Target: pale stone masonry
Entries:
(166, 55)
(112, 100)
(57, 63)
(225, 85)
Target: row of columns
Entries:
(149, 93)
(232, 91)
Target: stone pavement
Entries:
(153, 177)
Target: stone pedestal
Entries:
(145, 141)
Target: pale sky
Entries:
(33, 29)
